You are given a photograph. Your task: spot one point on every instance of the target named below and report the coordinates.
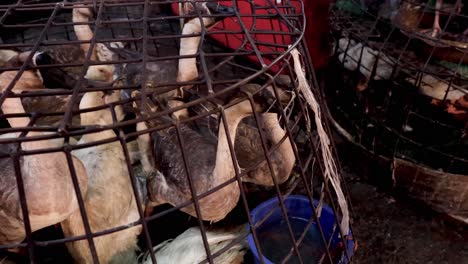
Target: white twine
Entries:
(331, 172)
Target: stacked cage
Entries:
(148, 131)
(402, 98)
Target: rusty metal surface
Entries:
(392, 117)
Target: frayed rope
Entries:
(331, 172)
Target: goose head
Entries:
(42, 58)
(106, 52)
(101, 73)
(263, 98)
(103, 116)
(51, 77)
(29, 80)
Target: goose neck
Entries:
(224, 165)
(101, 117)
(15, 106)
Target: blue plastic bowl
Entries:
(298, 206)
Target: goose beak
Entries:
(216, 9)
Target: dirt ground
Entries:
(397, 230)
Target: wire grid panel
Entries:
(404, 89)
(117, 116)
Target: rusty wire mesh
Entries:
(403, 91)
(143, 40)
(401, 96)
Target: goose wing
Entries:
(12, 230)
(200, 155)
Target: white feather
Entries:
(352, 56)
(188, 248)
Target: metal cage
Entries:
(101, 127)
(403, 92)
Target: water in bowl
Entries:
(275, 241)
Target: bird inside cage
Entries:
(46, 183)
(110, 201)
(190, 242)
(207, 152)
(425, 88)
(264, 43)
(98, 92)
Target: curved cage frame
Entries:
(401, 98)
(131, 22)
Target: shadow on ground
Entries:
(397, 230)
